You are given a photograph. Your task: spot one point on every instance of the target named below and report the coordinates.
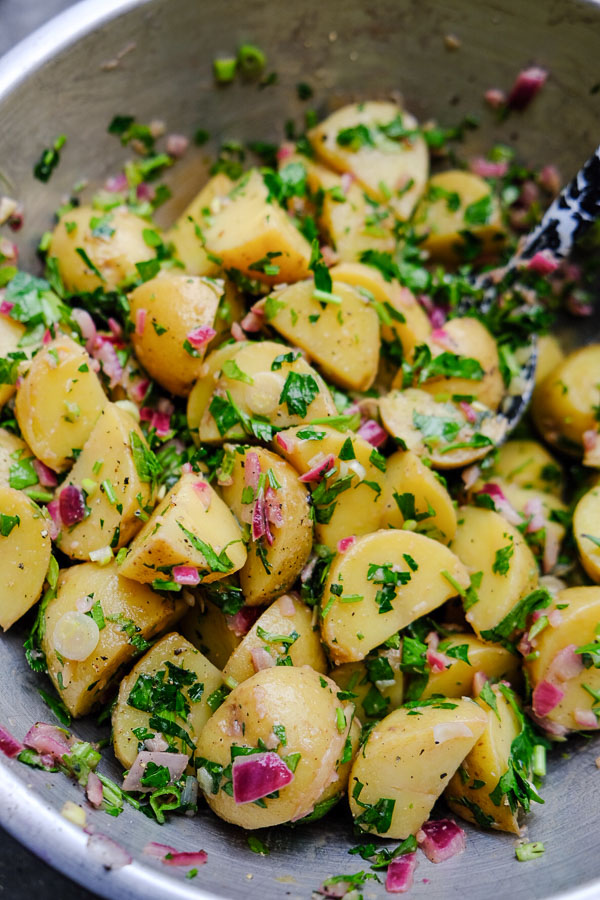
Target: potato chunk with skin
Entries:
(132, 614)
(12, 448)
(248, 226)
(564, 403)
(58, 402)
(379, 144)
(298, 641)
(24, 554)
(405, 763)
(192, 526)
(469, 791)
(347, 500)
(342, 339)
(456, 202)
(282, 504)
(295, 712)
(264, 381)
(381, 584)
(166, 310)
(528, 464)
(486, 543)
(539, 510)
(11, 333)
(161, 665)
(549, 356)
(378, 683)
(456, 680)
(208, 628)
(112, 473)
(187, 234)
(201, 394)
(112, 242)
(586, 529)
(412, 492)
(571, 679)
(440, 431)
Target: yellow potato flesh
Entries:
(172, 305)
(128, 608)
(163, 541)
(11, 333)
(292, 540)
(205, 626)
(586, 526)
(412, 482)
(457, 680)
(202, 391)
(24, 554)
(549, 356)
(188, 231)
(352, 627)
(373, 699)
(176, 650)
(58, 402)
(12, 448)
(480, 535)
(115, 493)
(305, 650)
(408, 759)
(529, 465)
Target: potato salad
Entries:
(260, 509)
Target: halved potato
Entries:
(528, 464)
(405, 763)
(251, 231)
(549, 356)
(377, 682)
(586, 529)
(123, 617)
(12, 448)
(11, 333)
(58, 402)
(25, 547)
(192, 527)
(187, 233)
(382, 583)
(282, 504)
(207, 627)
(172, 662)
(457, 679)
(413, 494)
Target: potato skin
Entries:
(11, 333)
(373, 699)
(292, 541)
(24, 555)
(528, 464)
(457, 680)
(59, 374)
(86, 682)
(184, 233)
(173, 305)
(305, 703)
(586, 524)
(176, 650)
(306, 650)
(113, 256)
(406, 474)
(10, 444)
(205, 626)
(407, 759)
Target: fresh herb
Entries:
(501, 564)
(7, 523)
(376, 816)
(215, 562)
(49, 159)
(516, 619)
(298, 392)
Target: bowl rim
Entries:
(25, 815)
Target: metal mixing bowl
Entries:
(55, 82)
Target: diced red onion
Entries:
(116, 328)
(479, 680)
(259, 517)
(372, 432)
(176, 763)
(71, 505)
(86, 325)
(335, 891)
(590, 439)
(47, 740)
(201, 336)
(252, 470)
(107, 852)
(527, 85)
(284, 442)
(253, 320)
(525, 646)
(145, 191)
(534, 510)
(116, 183)
(186, 468)
(577, 304)
(441, 840)
(261, 659)
(487, 169)
(470, 475)
(186, 858)
(106, 355)
(502, 504)
(9, 745)
(93, 790)
(5, 307)
(16, 219)
(550, 727)
(273, 507)
(46, 339)
(177, 144)
(286, 605)
(9, 250)
(140, 321)
(566, 664)
(468, 412)
(400, 874)
(243, 620)
(345, 543)
(138, 389)
(555, 618)
(546, 696)
(317, 472)
(159, 851)
(441, 337)
(330, 257)
(237, 332)
(186, 575)
(258, 775)
(156, 744)
(543, 262)
(437, 317)
(285, 151)
(551, 548)
(161, 422)
(46, 477)
(585, 718)
(203, 490)
(549, 179)
(56, 524)
(495, 98)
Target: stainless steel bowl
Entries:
(56, 82)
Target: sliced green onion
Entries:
(525, 852)
(538, 762)
(251, 59)
(326, 297)
(224, 70)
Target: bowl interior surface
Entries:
(58, 82)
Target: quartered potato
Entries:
(586, 529)
(346, 481)
(99, 250)
(113, 475)
(381, 584)
(529, 465)
(24, 554)
(541, 511)
(283, 635)
(174, 315)
(11, 333)
(440, 431)
(266, 494)
(474, 792)
(459, 218)
(562, 669)
(58, 402)
(86, 650)
(493, 550)
(341, 338)
(231, 309)
(415, 497)
(406, 762)
(250, 232)
(377, 682)
(381, 146)
(456, 680)
(295, 713)
(187, 233)
(171, 665)
(12, 448)
(209, 629)
(191, 527)
(564, 403)
(549, 356)
(260, 384)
